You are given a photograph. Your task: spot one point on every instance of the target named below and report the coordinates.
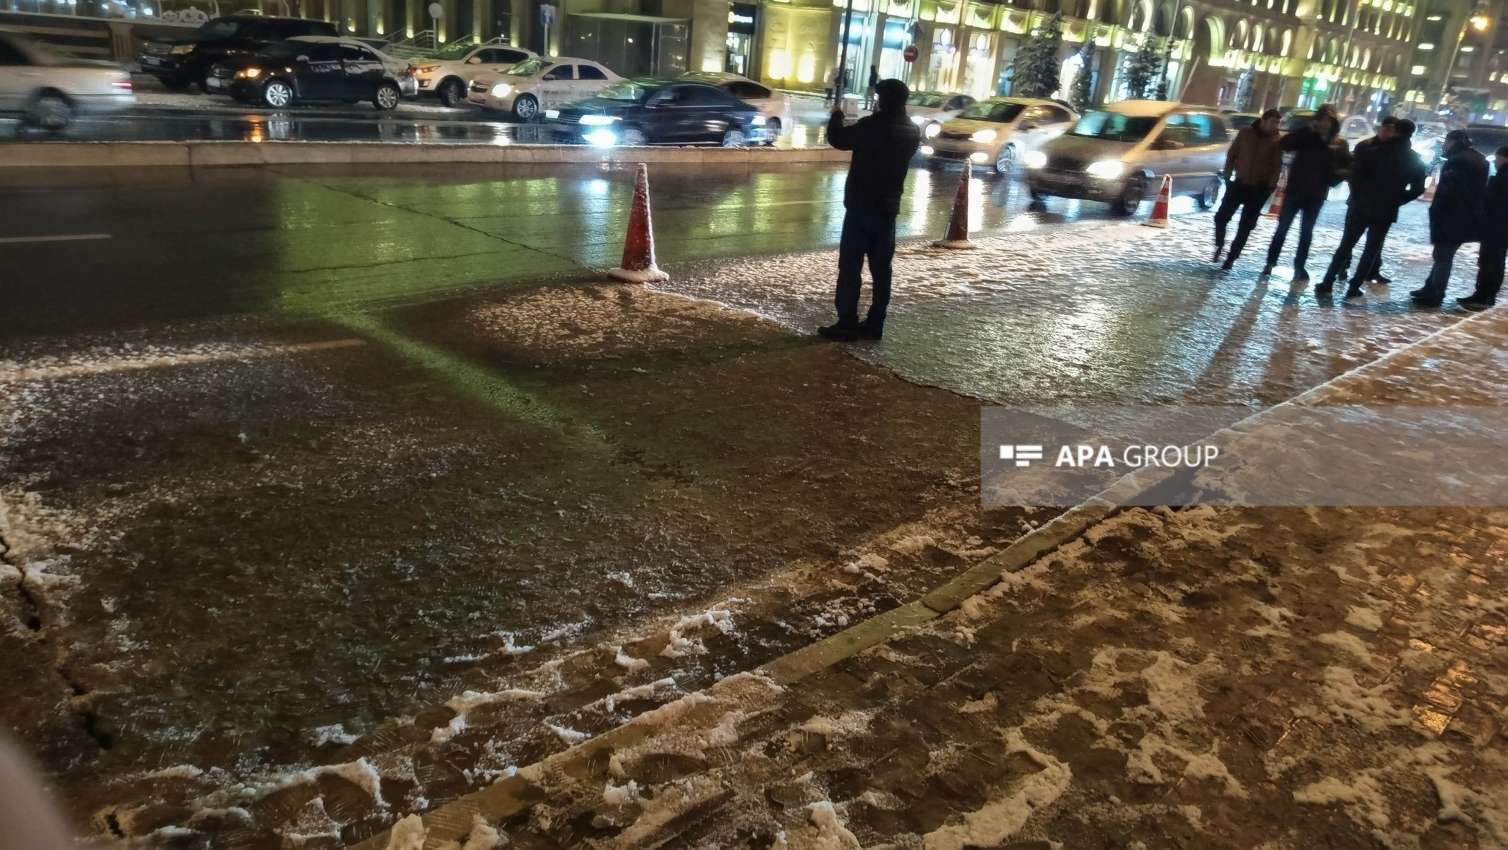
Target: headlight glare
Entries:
(932, 130)
(983, 136)
(502, 90)
(598, 120)
(1106, 169)
(251, 73)
(1034, 159)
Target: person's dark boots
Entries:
(1415, 293)
(1219, 249)
(1474, 302)
(868, 330)
(1382, 280)
(1267, 269)
(839, 332)
(1300, 276)
(1326, 286)
(1353, 291)
(1230, 261)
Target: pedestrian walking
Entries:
(1373, 270)
(1385, 175)
(883, 144)
(1252, 167)
(1320, 160)
(874, 80)
(1494, 239)
(1454, 214)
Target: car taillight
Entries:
(121, 85)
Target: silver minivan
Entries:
(1120, 154)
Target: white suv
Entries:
(537, 84)
(447, 74)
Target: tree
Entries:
(1143, 68)
(1037, 67)
(1083, 85)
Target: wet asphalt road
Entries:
(99, 249)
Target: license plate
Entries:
(215, 83)
(151, 60)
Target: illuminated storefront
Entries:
(742, 19)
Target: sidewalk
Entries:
(1203, 678)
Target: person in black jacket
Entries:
(1320, 160)
(1385, 175)
(1455, 213)
(1494, 239)
(883, 144)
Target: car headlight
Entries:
(599, 120)
(426, 69)
(932, 130)
(983, 136)
(249, 73)
(918, 120)
(601, 138)
(928, 150)
(502, 90)
(181, 49)
(1034, 159)
(1106, 169)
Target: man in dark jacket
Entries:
(1256, 158)
(882, 144)
(1455, 213)
(1320, 159)
(1494, 239)
(1385, 175)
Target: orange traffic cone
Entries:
(1429, 189)
(958, 223)
(1159, 217)
(639, 243)
(1276, 207)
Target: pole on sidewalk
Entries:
(843, 58)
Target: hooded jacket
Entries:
(1454, 214)
(1384, 177)
(1319, 162)
(1256, 157)
(883, 144)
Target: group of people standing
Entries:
(1384, 173)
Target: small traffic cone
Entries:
(1429, 189)
(639, 243)
(1159, 217)
(958, 223)
(1276, 207)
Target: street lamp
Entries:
(1167, 54)
(1479, 22)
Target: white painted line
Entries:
(68, 237)
(12, 372)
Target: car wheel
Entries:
(1211, 194)
(632, 137)
(1005, 161)
(734, 138)
(50, 111)
(452, 92)
(1131, 196)
(525, 107)
(387, 97)
(277, 94)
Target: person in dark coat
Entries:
(1320, 160)
(883, 144)
(1385, 175)
(1455, 213)
(1373, 271)
(1252, 167)
(874, 80)
(1494, 239)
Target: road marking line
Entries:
(68, 237)
(14, 373)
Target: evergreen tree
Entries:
(1083, 85)
(1037, 66)
(1142, 68)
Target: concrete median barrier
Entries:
(220, 153)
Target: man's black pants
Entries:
(1490, 268)
(1371, 253)
(1251, 199)
(869, 235)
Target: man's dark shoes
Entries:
(1415, 293)
(1267, 269)
(1474, 302)
(869, 331)
(1219, 249)
(1301, 276)
(1383, 281)
(1325, 287)
(1229, 262)
(1353, 291)
(839, 333)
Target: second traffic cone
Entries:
(639, 243)
(1159, 217)
(958, 223)
(1276, 207)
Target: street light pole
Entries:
(1477, 21)
(843, 58)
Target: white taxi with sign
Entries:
(537, 84)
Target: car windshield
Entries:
(452, 52)
(528, 68)
(993, 110)
(283, 50)
(1116, 126)
(925, 99)
(218, 29)
(629, 91)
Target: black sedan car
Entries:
(658, 112)
(315, 68)
(179, 63)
